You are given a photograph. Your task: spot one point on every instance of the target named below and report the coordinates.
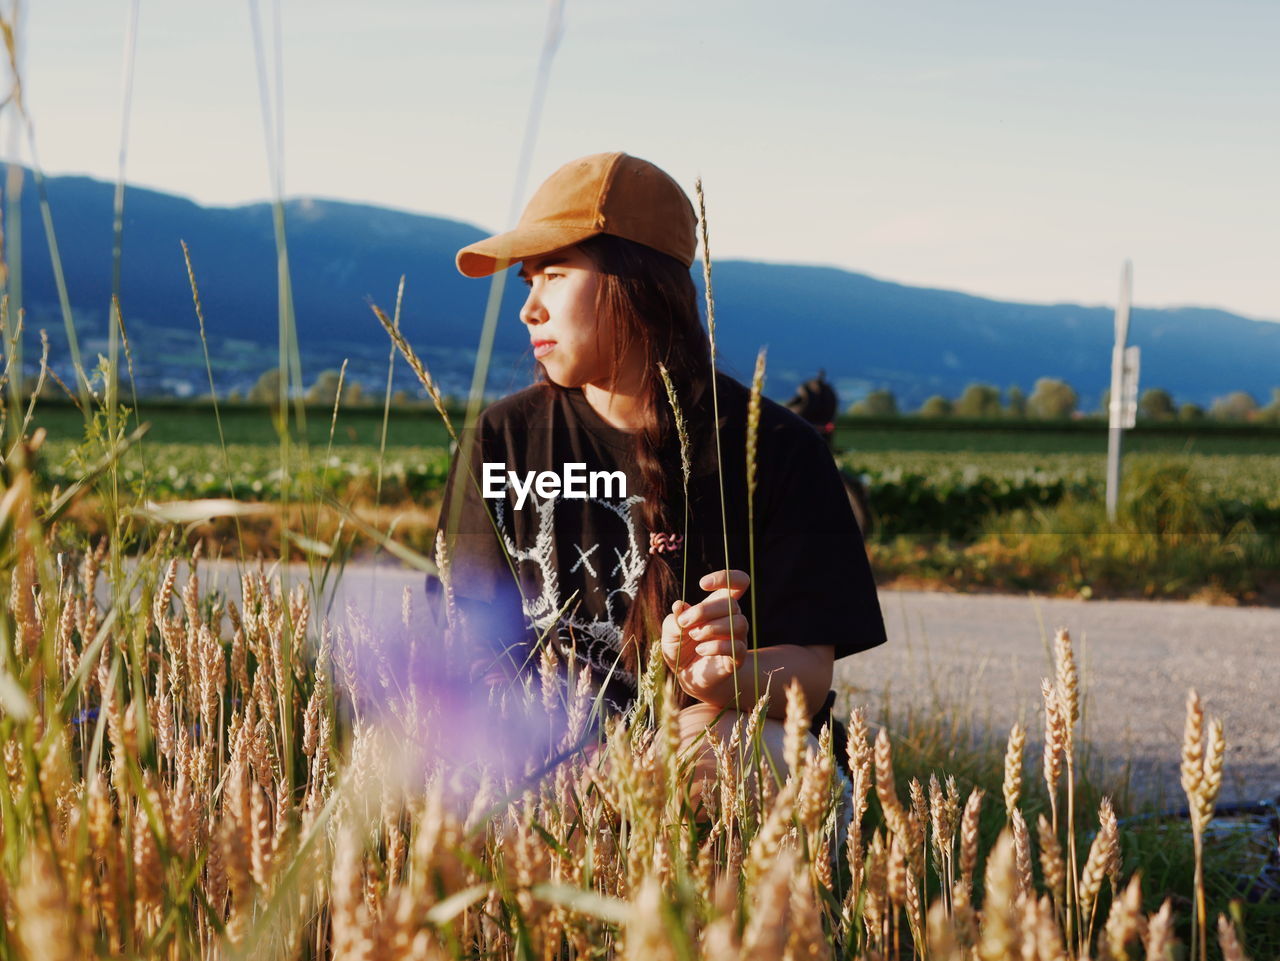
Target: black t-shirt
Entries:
(565, 568)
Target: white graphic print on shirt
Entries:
(554, 611)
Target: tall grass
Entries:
(148, 808)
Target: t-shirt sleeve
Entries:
(814, 579)
(484, 583)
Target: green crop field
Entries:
(1067, 438)
(912, 491)
(1244, 477)
(246, 424)
(169, 471)
(420, 425)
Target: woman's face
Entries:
(560, 313)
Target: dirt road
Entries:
(984, 655)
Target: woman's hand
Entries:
(705, 643)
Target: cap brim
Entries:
(492, 254)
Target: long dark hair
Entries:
(649, 299)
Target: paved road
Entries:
(982, 656)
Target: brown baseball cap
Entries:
(606, 193)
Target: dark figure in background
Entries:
(817, 403)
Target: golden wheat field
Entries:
(188, 777)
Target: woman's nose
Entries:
(533, 312)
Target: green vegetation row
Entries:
(252, 472)
(913, 492)
(415, 423)
(919, 492)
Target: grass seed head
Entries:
(938, 816)
(919, 821)
(1041, 936)
(765, 937)
(969, 834)
(1211, 776)
(896, 873)
(1067, 678)
(771, 837)
(886, 790)
(1159, 933)
(753, 421)
(806, 938)
(1001, 935)
(1109, 826)
(1232, 950)
(42, 912)
(795, 727)
(1013, 769)
(819, 769)
(682, 426)
(706, 266)
(646, 936)
(1193, 750)
(1051, 857)
(1022, 852)
(1125, 921)
(1101, 853)
(1054, 735)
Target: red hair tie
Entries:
(665, 543)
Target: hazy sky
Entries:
(1011, 149)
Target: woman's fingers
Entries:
(722, 648)
(734, 581)
(707, 641)
(672, 634)
(724, 588)
(712, 609)
(733, 627)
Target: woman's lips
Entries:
(543, 347)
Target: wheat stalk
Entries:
(1159, 934)
(1022, 852)
(753, 423)
(969, 840)
(418, 367)
(1013, 769)
(1201, 776)
(1125, 922)
(1228, 941)
(1101, 853)
(795, 728)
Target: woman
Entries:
(576, 524)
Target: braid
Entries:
(650, 299)
(660, 584)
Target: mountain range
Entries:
(865, 332)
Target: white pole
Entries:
(1116, 407)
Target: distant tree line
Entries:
(1050, 399)
(1054, 399)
